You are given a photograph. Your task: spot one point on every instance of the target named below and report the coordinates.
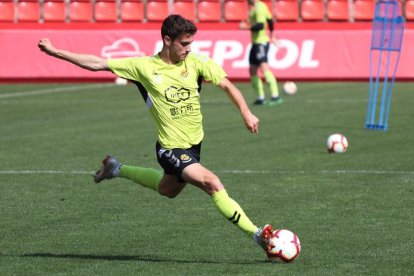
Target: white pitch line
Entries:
(309, 101)
(322, 172)
(52, 90)
(222, 171)
(44, 172)
(336, 100)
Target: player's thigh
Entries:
(202, 177)
(264, 66)
(170, 186)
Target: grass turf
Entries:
(353, 212)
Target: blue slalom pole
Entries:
(387, 34)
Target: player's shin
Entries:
(146, 177)
(258, 87)
(271, 81)
(231, 210)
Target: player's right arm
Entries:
(86, 61)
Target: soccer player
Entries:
(259, 18)
(170, 82)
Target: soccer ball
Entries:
(337, 143)
(121, 81)
(285, 246)
(290, 88)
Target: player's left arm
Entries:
(250, 120)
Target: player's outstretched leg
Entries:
(110, 169)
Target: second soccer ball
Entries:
(290, 88)
(121, 81)
(337, 143)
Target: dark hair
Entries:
(175, 25)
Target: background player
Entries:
(259, 18)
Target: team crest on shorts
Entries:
(185, 158)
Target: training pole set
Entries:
(387, 36)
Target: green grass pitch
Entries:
(353, 212)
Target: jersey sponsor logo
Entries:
(175, 95)
(185, 158)
(177, 112)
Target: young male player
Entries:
(259, 17)
(170, 82)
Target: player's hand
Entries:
(252, 122)
(243, 25)
(46, 46)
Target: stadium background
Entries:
(353, 212)
(320, 39)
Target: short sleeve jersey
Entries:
(259, 14)
(172, 93)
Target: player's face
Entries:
(181, 47)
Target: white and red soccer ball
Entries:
(284, 246)
(290, 88)
(337, 143)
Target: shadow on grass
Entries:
(134, 258)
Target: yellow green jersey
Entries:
(259, 14)
(172, 93)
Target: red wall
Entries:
(306, 52)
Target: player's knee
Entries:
(212, 183)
